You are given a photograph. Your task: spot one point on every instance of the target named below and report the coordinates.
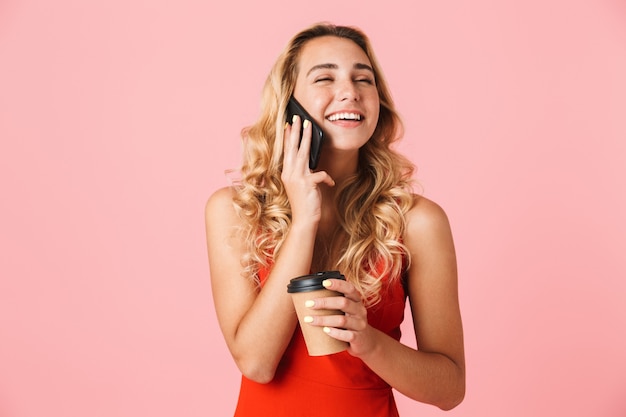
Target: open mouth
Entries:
(344, 116)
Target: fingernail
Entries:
(309, 303)
(326, 329)
(294, 118)
(306, 124)
(326, 283)
(286, 124)
(308, 319)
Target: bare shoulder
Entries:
(428, 235)
(221, 218)
(220, 204)
(224, 243)
(426, 217)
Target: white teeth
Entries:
(344, 116)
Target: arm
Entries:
(258, 324)
(435, 372)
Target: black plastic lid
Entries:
(312, 282)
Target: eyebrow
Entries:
(358, 66)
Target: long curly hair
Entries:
(371, 205)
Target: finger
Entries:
(305, 144)
(337, 321)
(322, 177)
(345, 322)
(349, 307)
(340, 334)
(330, 303)
(344, 287)
(292, 139)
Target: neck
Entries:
(339, 165)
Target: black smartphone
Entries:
(317, 134)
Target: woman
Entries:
(355, 213)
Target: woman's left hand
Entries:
(351, 327)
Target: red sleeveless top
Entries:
(335, 385)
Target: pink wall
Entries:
(118, 118)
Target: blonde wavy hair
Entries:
(372, 203)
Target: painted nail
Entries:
(305, 124)
(308, 319)
(294, 118)
(326, 329)
(326, 283)
(309, 303)
(286, 124)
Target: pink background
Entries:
(118, 118)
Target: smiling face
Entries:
(336, 85)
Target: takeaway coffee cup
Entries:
(308, 287)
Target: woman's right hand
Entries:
(301, 184)
(259, 324)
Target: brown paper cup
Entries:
(306, 288)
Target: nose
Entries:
(347, 91)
